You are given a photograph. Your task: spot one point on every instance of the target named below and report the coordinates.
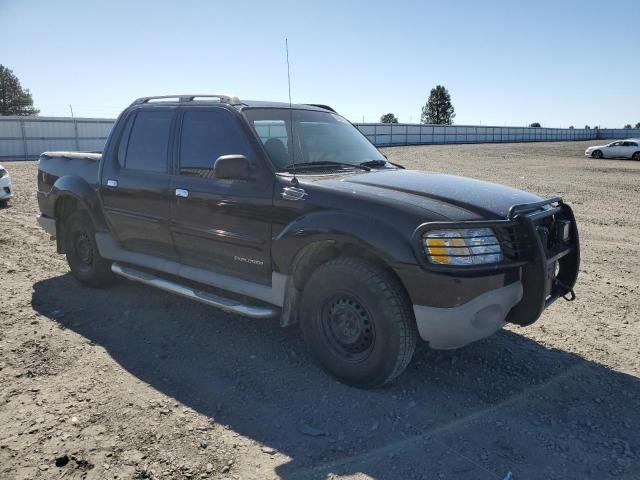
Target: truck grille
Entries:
(511, 243)
(552, 231)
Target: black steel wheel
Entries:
(596, 154)
(636, 156)
(83, 249)
(358, 322)
(348, 327)
(82, 253)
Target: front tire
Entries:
(83, 257)
(596, 154)
(358, 322)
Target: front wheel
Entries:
(596, 154)
(83, 257)
(358, 322)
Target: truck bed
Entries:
(53, 165)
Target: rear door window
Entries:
(207, 135)
(149, 141)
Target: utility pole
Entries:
(75, 128)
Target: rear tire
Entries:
(4, 203)
(636, 156)
(596, 154)
(84, 260)
(358, 322)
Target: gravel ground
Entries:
(130, 382)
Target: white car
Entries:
(629, 148)
(6, 191)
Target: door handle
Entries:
(181, 192)
(112, 183)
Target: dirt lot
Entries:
(130, 382)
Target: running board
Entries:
(226, 304)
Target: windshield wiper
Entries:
(380, 163)
(320, 164)
(374, 163)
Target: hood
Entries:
(484, 199)
(596, 146)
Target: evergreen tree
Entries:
(14, 100)
(388, 118)
(438, 110)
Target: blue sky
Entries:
(557, 62)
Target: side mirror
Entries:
(231, 167)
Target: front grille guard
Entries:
(523, 248)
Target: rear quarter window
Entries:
(124, 140)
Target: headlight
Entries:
(469, 246)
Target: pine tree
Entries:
(438, 109)
(14, 100)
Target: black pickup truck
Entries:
(269, 209)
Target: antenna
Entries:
(293, 148)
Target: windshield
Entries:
(316, 138)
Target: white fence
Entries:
(25, 138)
(381, 134)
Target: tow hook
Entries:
(569, 294)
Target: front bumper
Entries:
(6, 190)
(541, 265)
(48, 224)
(455, 327)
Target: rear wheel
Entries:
(358, 322)
(83, 257)
(636, 156)
(596, 154)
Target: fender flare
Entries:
(78, 188)
(382, 240)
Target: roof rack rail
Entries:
(319, 105)
(230, 99)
